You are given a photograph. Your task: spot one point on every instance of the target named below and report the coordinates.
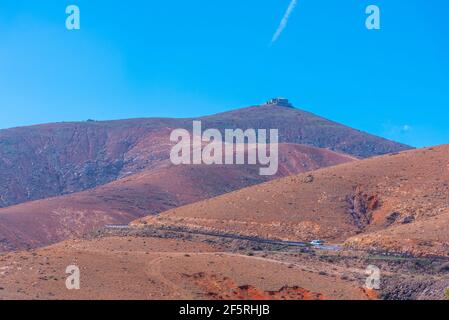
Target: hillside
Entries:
(47, 221)
(155, 268)
(48, 160)
(396, 202)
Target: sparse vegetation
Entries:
(446, 293)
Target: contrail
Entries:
(284, 20)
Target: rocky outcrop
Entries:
(361, 207)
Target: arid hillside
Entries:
(298, 126)
(157, 268)
(428, 236)
(55, 159)
(397, 202)
(47, 221)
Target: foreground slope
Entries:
(54, 159)
(152, 268)
(405, 195)
(51, 220)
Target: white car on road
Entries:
(316, 242)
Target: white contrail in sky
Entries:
(284, 21)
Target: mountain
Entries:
(48, 160)
(334, 183)
(298, 126)
(396, 202)
(152, 191)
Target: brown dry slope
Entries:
(402, 195)
(49, 160)
(151, 268)
(51, 220)
(428, 236)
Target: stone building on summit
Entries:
(279, 102)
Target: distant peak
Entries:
(279, 102)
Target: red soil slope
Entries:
(55, 159)
(150, 192)
(399, 201)
(152, 268)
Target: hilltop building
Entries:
(279, 102)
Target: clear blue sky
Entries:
(189, 58)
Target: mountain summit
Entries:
(280, 102)
(47, 160)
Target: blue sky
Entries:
(190, 58)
